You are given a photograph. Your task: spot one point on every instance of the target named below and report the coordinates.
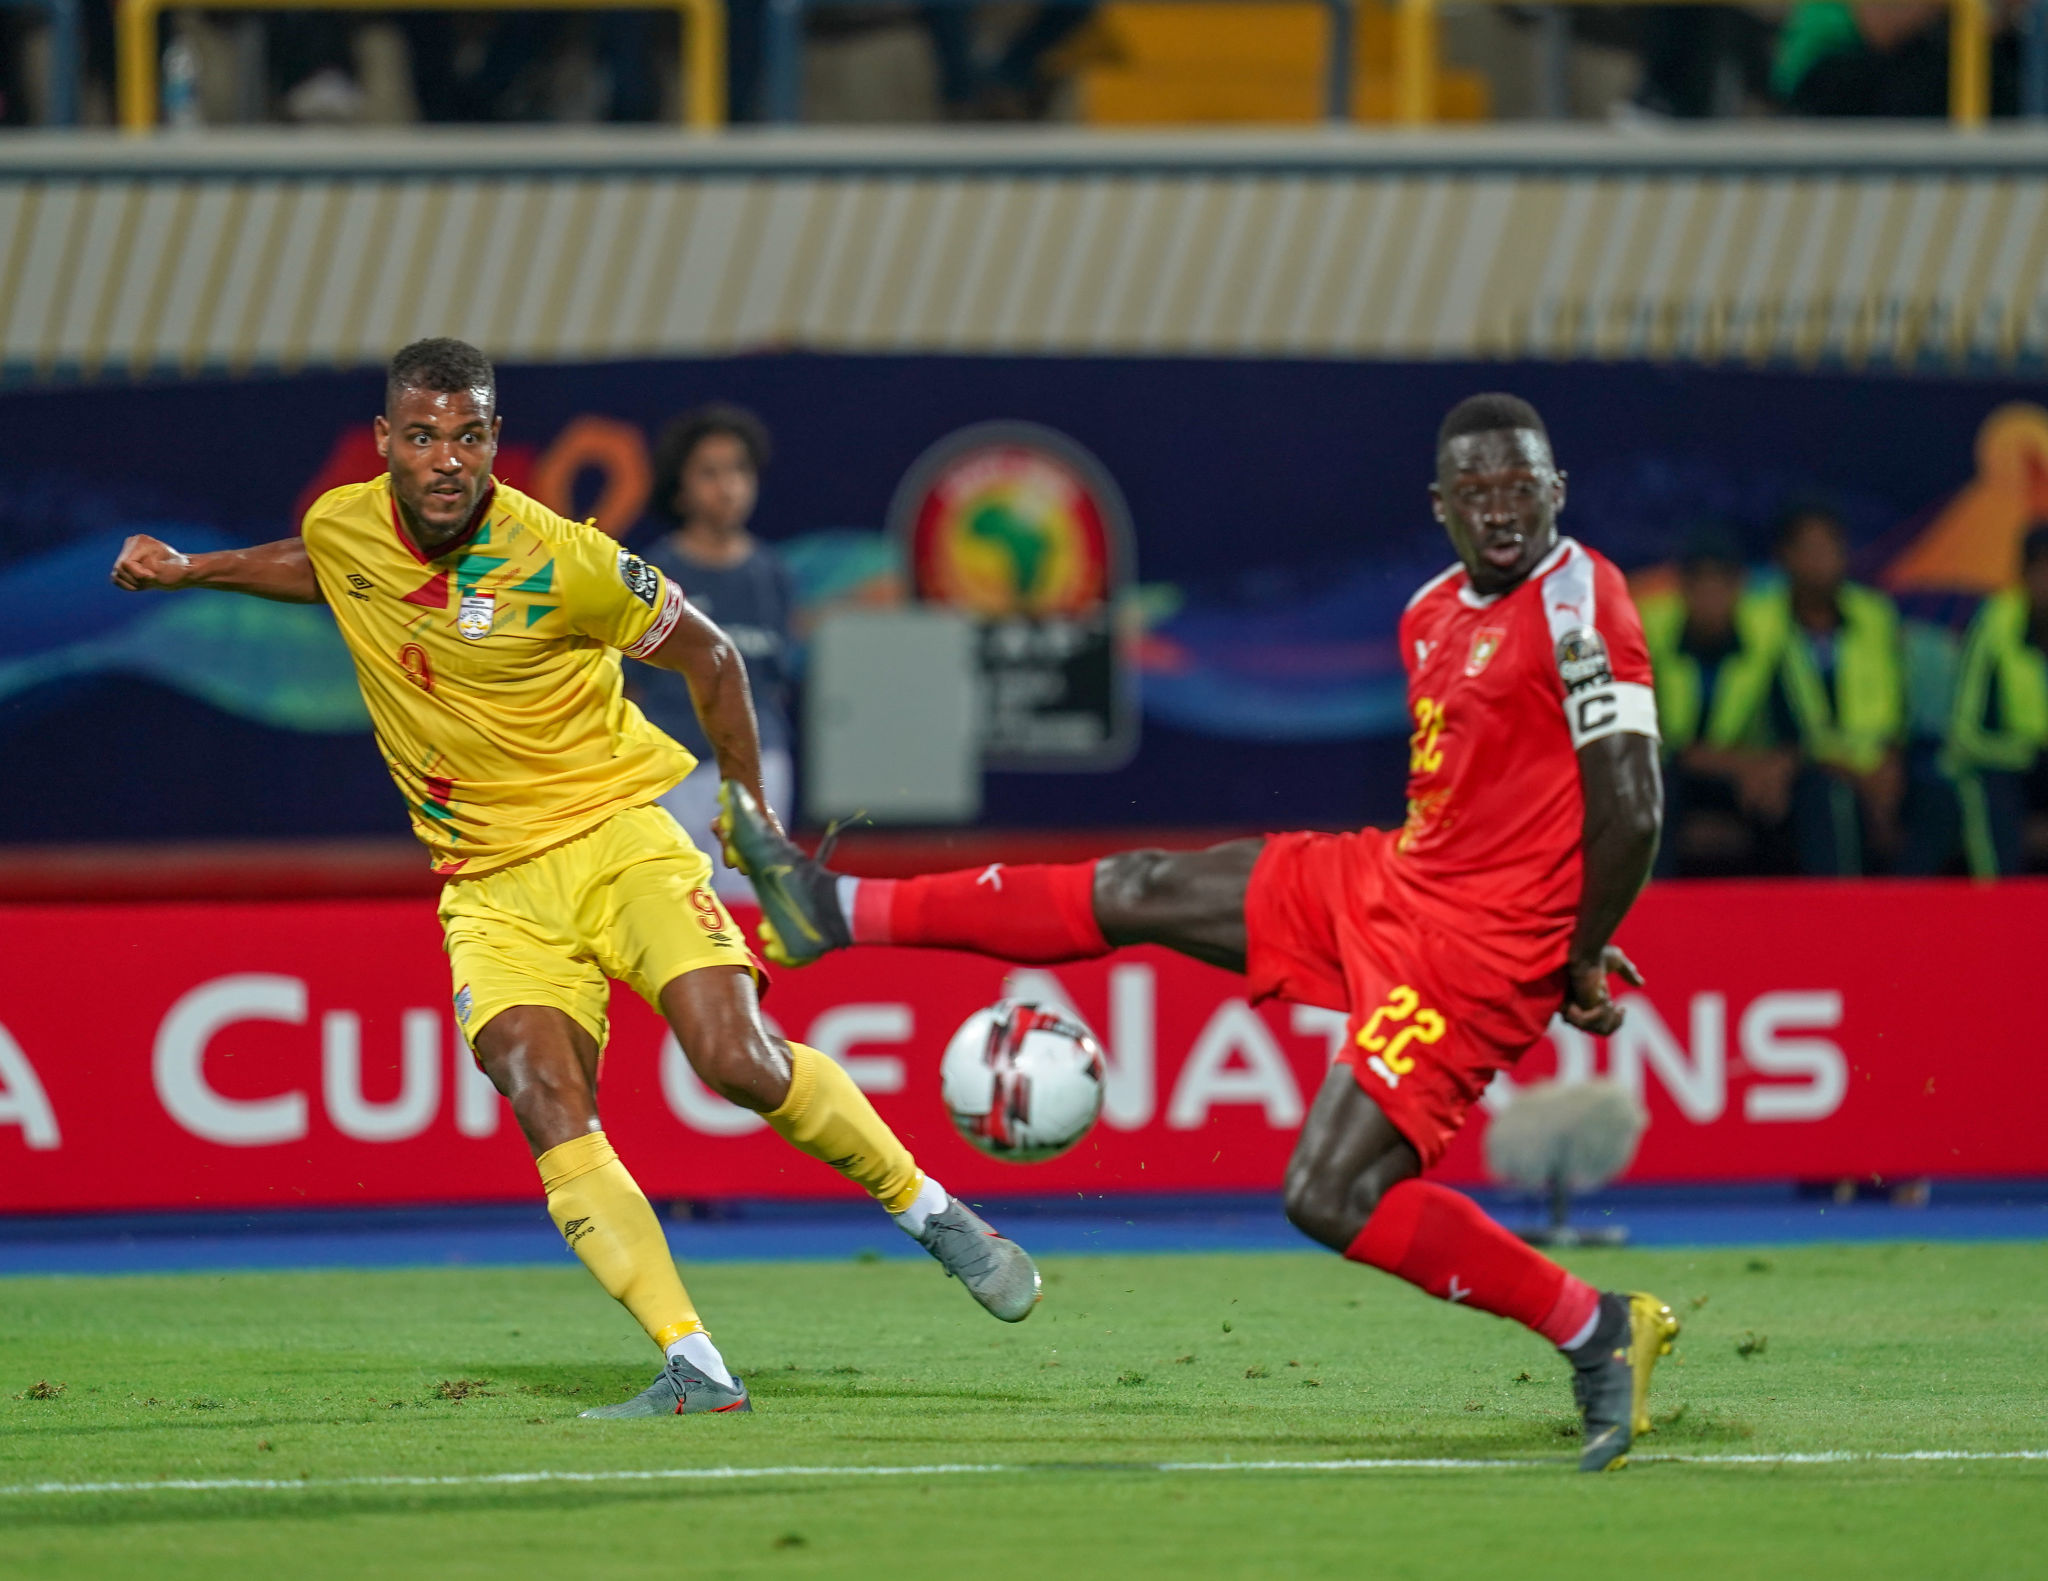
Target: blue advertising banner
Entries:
(1279, 511)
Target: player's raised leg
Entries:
(1037, 914)
(545, 1064)
(1352, 1184)
(814, 1106)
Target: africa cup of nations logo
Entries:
(1021, 529)
(1012, 519)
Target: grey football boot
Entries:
(995, 1269)
(679, 1390)
(798, 896)
(1611, 1382)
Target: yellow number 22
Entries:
(1424, 1025)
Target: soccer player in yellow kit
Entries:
(487, 632)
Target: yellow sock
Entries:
(606, 1219)
(828, 1117)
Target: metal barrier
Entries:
(1415, 59)
(67, 55)
(782, 54)
(702, 47)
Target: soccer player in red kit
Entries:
(1534, 805)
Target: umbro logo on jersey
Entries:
(1423, 650)
(358, 587)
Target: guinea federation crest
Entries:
(1021, 529)
(474, 618)
(1486, 643)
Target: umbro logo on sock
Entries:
(575, 1230)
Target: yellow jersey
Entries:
(493, 670)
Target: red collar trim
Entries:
(476, 520)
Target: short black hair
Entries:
(439, 363)
(1488, 413)
(1795, 516)
(679, 441)
(2035, 545)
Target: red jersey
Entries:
(1503, 692)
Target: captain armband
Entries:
(1595, 703)
(665, 619)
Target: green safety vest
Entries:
(1735, 716)
(2000, 718)
(1864, 717)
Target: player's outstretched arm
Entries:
(281, 571)
(1624, 796)
(704, 656)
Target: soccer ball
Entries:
(1022, 1083)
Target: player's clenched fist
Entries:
(146, 564)
(1588, 1005)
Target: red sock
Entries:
(1440, 1241)
(1034, 915)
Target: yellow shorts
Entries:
(629, 900)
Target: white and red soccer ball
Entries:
(1022, 1083)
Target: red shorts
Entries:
(1431, 1020)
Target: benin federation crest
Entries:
(474, 619)
(1486, 643)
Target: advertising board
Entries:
(195, 1056)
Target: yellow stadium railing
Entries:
(702, 49)
(1969, 59)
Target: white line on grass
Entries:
(1834, 1457)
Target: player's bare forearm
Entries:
(705, 658)
(281, 571)
(1624, 798)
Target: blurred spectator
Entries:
(472, 66)
(1702, 61)
(1929, 653)
(744, 62)
(707, 474)
(15, 27)
(1017, 86)
(1713, 675)
(1879, 60)
(1837, 692)
(1992, 760)
(312, 64)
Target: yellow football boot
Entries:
(1612, 1382)
(1653, 1330)
(798, 894)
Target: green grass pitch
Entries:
(313, 1378)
